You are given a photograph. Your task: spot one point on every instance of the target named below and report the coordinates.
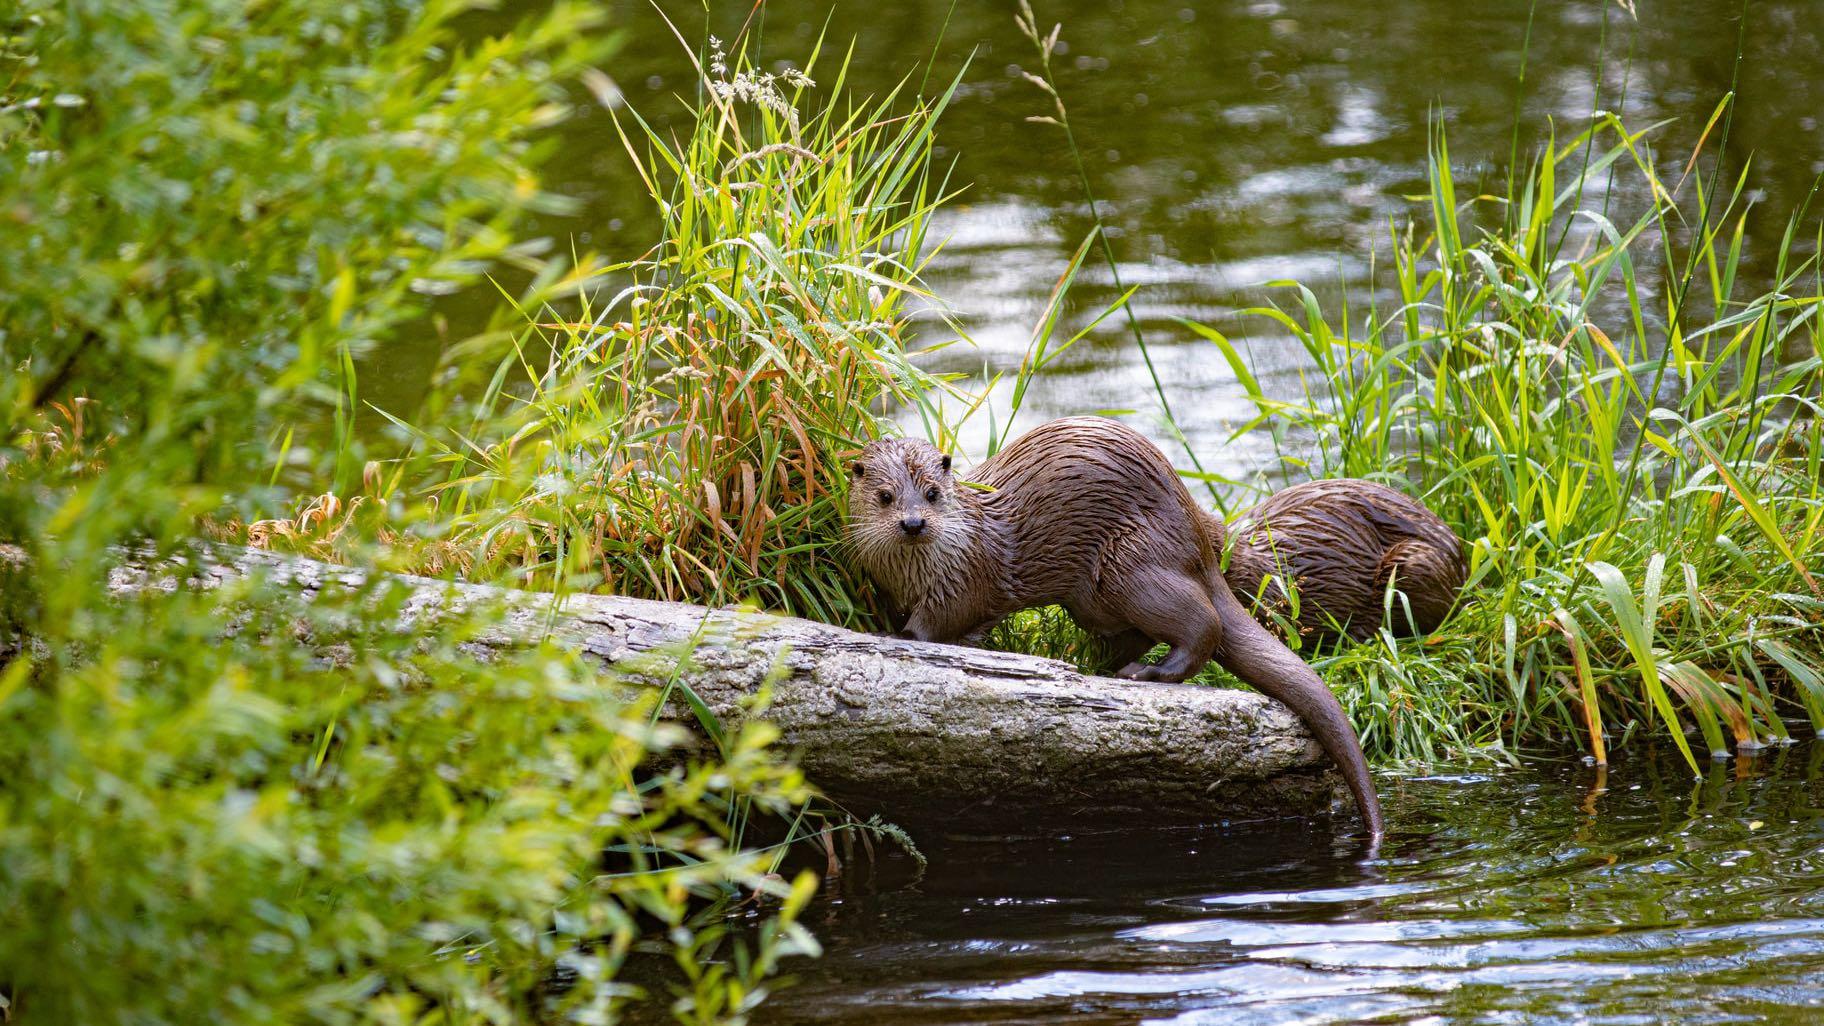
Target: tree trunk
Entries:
(924, 734)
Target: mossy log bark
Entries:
(924, 734)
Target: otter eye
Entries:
(931, 494)
(886, 498)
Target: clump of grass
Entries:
(1630, 444)
(677, 430)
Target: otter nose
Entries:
(912, 525)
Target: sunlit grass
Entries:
(676, 429)
(1630, 444)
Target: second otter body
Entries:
(1340, 544)
(1088, 514)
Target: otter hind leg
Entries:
(1123, 649)
(1175, 609)
(1427, 576)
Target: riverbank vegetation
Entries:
(1572, 374)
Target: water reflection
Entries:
(1549, 894)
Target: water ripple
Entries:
(1529, 896)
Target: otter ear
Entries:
(857, 468)
(945, 463)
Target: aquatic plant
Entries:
(1631, 445)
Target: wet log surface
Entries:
(927, 735)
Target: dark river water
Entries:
(1231, 144)
(1542, 895)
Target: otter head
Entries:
(901, 494)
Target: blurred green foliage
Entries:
(320, 818)
(242, 805)
(206, 202)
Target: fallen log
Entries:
(924, 734)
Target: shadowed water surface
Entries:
(1542, 895)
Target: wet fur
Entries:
(1340, 545)
(1087, 514)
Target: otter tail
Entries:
(1251, 652)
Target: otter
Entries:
(1088, 514)
(1342, 544)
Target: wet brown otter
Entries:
(1087, 514)
(1341, 543)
